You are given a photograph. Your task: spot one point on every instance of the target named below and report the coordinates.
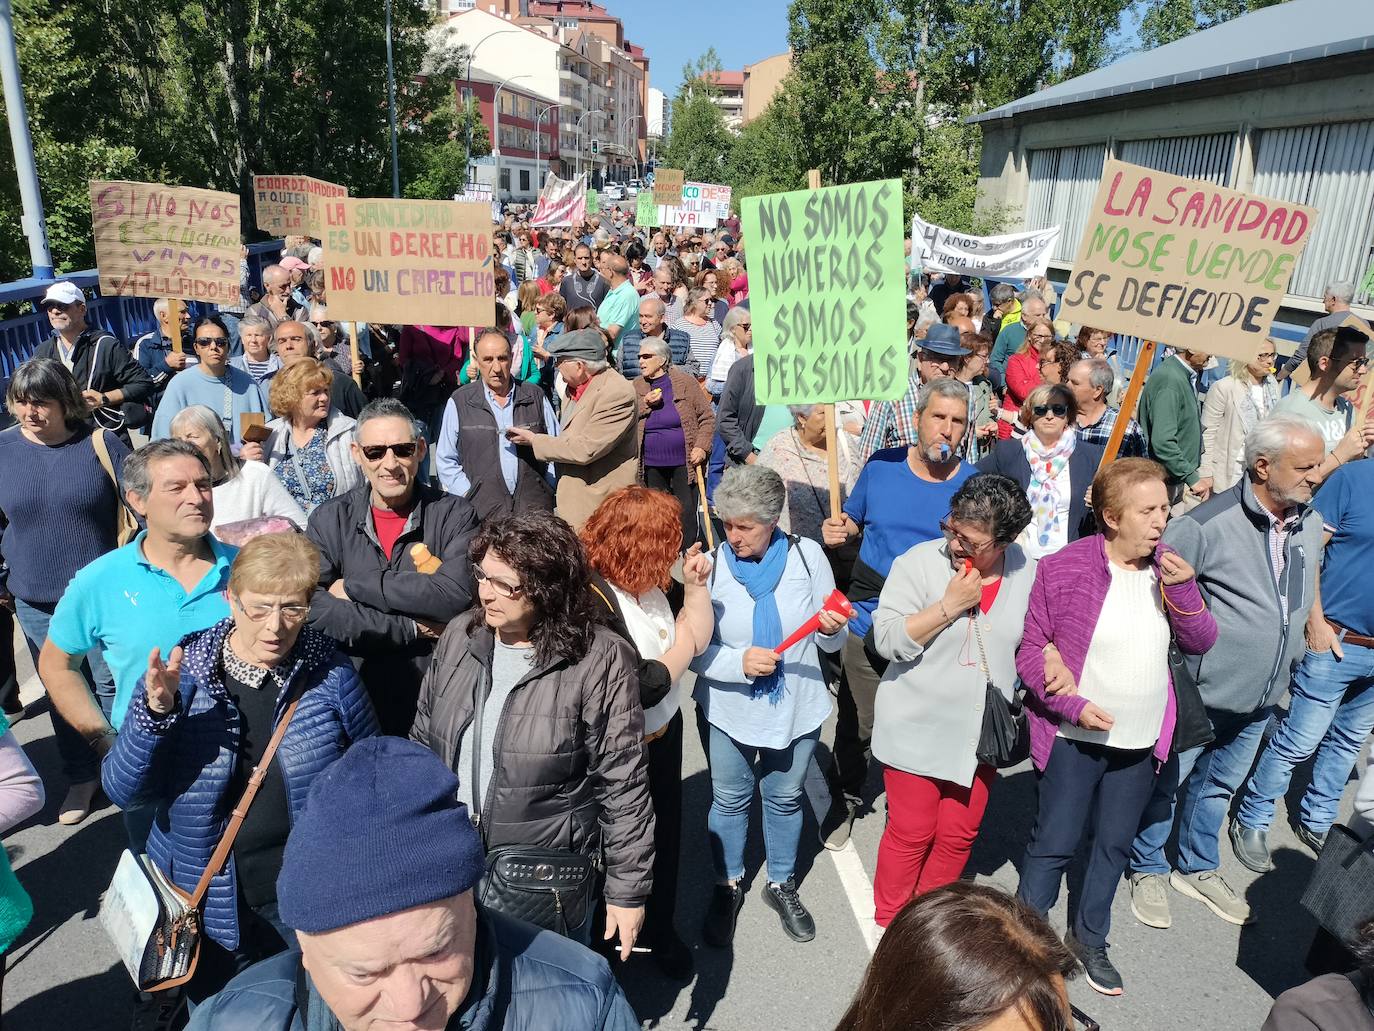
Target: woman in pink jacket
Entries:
(1101, 701)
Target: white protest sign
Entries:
(708, 197)
(1010, 256)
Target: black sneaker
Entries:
(672, 957)
(719, 929)
(1314, 840)
(157, 1011)
(1097, 968)
(783, 900)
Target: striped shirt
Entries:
(704, 340)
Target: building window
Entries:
(1330, 168)
(505, 179)
(524, 180)
(1197, 157)
(1063, 182)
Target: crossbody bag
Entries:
(1004, 739)
(155, 926)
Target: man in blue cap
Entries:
(377, 881)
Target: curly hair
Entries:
(954, 300)
(294, 382)
(995, 502)
(553, 571)
(633, 538)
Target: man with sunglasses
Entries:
(393, 562)
(893, 423)
(227, 391)
(108, 375)
(1337, 359)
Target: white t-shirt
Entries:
(651, 625)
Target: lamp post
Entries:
(539, 118)
(496, 127)
(467, 115)
(581, 143)
(30, 196)
(391, 109)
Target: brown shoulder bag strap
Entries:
(226, 843)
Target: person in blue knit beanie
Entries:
(377, 880)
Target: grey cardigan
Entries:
(929, 708)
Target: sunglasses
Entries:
(55, 306)
(376, 452)
(326, 324)
(216, 342)
(1040, 411)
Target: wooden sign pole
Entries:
(174, 322)
(1143, 362)
(351, 328)
(832, 440)
(705, 510)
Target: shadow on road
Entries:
(101, 1002)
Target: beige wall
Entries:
(761, 82)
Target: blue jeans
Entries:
(1211, 775)
(780, 776)
(1331, 713)
(79, 762)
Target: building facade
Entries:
(762, 80)
(1288, 115)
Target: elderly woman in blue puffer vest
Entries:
(199, 724)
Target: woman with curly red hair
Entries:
(632, 541)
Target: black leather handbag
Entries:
(552, 888)
(1341, 892)
(1005, 736)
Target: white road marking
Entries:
(858, 889)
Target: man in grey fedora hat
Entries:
(893, 423)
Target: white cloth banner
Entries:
(562, 203)
(1011, 256)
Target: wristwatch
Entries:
(104, 399)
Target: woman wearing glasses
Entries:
(949, 619)
(1024, 373)
(199, 721)
(675, 428)
(309, 448)
(535, 706)
(1233, 406)
(227, 391)
(736, 340)
(1053, 467)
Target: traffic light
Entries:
(596, 147)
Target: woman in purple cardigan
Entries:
(1101, 703)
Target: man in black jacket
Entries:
(740, 415)
(393, 563)
(108, 375)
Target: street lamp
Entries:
(581, 143)
(472, 52)
(539, 118)
(391, 108)
(496, 127)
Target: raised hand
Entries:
(162, 679)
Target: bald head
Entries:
(617, 268)
(962, 323)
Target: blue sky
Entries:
(742, 31)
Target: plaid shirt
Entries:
(1277, 537)
(1132, 443)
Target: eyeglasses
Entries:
(376, 452)
(259, 611)
(1040, 411)
(501, 587)
(219, 343)
(1266, 356)
(952, 535)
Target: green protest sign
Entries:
(827, 292)
(592, 201)
(646, 211)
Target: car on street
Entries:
(613, 191)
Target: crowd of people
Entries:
(461, 577)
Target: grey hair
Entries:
(594, 365)
(204, 418)
(941, 386)
(1274, 435)
(654, 299)
(1343, 292)
(47, 381)
(995, 502)
(138, 467)
(388, 408)
(733, 318)
(274, 272)
(254, 322)
(1001, 293)
(160, 306)
(659, 346)
(311, 333)
(1030, 293)
(801, 411)
(750, 491)
(1100, 374)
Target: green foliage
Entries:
(699, 143)
(1167, 20)
(767, 156)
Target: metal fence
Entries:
(127, 318)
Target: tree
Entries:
(1167, 20)
(699, 142)
(767, 156)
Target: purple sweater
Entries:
(1065, 603)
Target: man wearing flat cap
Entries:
(377, 881)
(597, 448)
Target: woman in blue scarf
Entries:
(761, 712)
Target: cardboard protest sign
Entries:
(1009, 256)
(708, 197)
(667, 185)
(166, 241)
(476, 193)
(291, 203)
(593, 202)
(1184, 262)
(827, 293)
(409, 261)
(646, 211)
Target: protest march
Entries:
(414, 616)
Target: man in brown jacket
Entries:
(597, 449)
